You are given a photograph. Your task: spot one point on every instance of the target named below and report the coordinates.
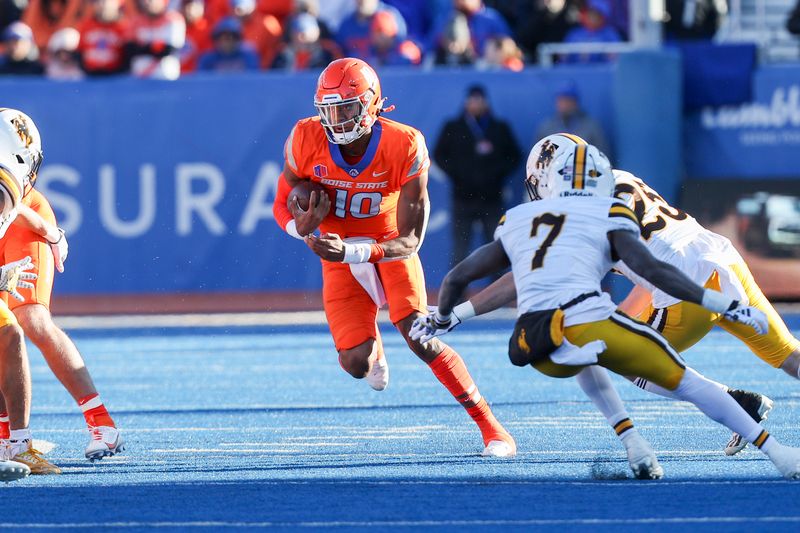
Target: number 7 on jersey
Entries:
(556, 222)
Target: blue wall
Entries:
(758, 139)
(169, 186)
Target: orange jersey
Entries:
(20, 242)
(363, 195)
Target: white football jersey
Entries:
(559, 250)
(675, 237)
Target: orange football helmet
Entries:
(348, 99)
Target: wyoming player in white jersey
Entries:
(559, 249)
(710, 260)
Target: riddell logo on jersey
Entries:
(321, 171)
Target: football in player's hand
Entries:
(302, 191)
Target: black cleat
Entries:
(757, 406)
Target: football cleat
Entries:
(21, 451)
(106, 441)
(642, 459)
(378, 377)
(13, 470)
(500, 446)
(757, 406)
(786, 459)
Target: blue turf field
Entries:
(259, 427)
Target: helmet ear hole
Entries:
(19, 159)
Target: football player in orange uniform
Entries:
(16, 444)
(372, 222)
(34, 234)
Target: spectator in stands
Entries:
(311, 7)
(306, 50)
(454, 48)
(420, 15)
(698, 19)
(354, 32)
(386, 47)
(198, 34)
(63, 59)
(484, 23)
(594, 28)
(333, 12)
(229, 54)
(104, 39)
(502, 53)
(262, 31)
(21, 55)
(571, 118)
(44, 17)
(158, 36)
(548, 22)
(10, 11)
(477, 151)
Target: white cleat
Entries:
(378, 377)
(106, 441)
(642, 459)
(12, 471)
(786, 459)
(499, 448)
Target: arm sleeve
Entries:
(279, 209)
(418, 159)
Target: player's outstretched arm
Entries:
(486, 260)
(675, 283)
(500, 293)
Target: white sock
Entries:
(649, 386)
(596, 384)
(718, 405)
(20, 434)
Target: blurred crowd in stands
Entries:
(164, 39)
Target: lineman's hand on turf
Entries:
(328, 246)
(12, 277)
(750, 316)
(60, 248)
(432, 325)
(307, 221)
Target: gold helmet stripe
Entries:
(574, 138)
(579, 171)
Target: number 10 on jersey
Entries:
(359, 205)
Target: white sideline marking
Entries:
(220, 320)
(422, 523)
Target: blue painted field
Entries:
(232, 428)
